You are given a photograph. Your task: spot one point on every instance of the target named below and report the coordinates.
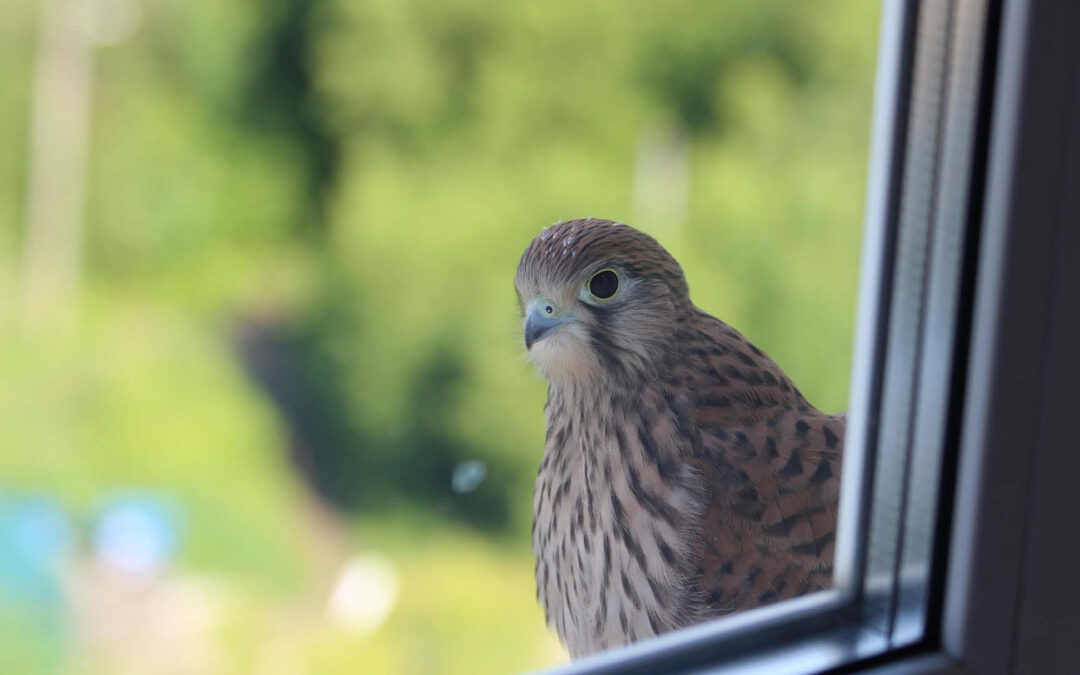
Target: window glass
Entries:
(266, 403)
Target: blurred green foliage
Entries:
(302, 225)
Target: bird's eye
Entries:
(604, 284)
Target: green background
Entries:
(295, 315)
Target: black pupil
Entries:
(604, 284)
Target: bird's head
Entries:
(599, 298)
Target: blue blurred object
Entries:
(36, 541)
(137, 533)
(35, 538)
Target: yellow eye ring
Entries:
(604, 285)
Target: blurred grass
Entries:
(357, 180)
(466, 605)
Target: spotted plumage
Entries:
(684, 476)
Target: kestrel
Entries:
(684, 476)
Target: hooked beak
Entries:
(539, 324)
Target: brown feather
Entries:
(772, 467)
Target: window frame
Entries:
(996, 568)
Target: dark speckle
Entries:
(830, 437)
(794, 465)
(746, 502)
(616, 507)
(666, 552)
(770, 449)
(716, 401)
(801, 429)
(629, 591)
(718, 432)
(744, 449)
(815, 547)
(745, 358)
(732, 372)
(822, 474)
(654, 622)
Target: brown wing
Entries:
(772, 465)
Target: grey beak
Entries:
(539, 325)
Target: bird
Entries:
(684, 476)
